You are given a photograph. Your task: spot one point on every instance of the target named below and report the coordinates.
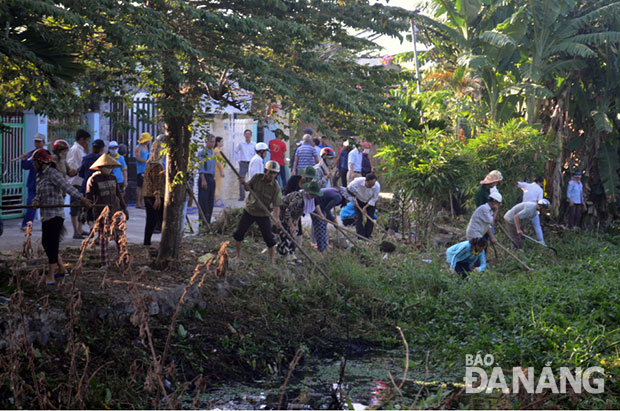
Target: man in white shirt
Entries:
(532, 193)
(519, 213)
(257, 165)
(355, 162)
(74, 159)
(481, 221)
(244, 153)
(366, 191)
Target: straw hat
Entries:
(144, 137)
(105, 160)
(493, 177)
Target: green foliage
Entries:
(518, 150)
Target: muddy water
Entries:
(314, 385)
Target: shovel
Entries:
(540, 244)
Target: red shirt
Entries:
(277, 148)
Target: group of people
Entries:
(470, 254)
(277, 205)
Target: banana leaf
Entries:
(608, 166)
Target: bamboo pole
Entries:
(514, 256)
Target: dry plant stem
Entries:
(417, 396)
(289, 235)
(291, 368)
(406, 356)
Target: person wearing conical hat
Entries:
(487, 186)
(102, 188)
(142, 154)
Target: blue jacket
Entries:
(348, 211)
(343, 161)
(462, 253)
(331, 198)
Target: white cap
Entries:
(495, 195)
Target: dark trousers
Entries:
(343, 177)
(463, 268)
(282, 176)
(30, 212)
(206, 196)
(51, 237)
(153, 217)
(263, 223)
(364, 229)
(574, 215)
(243, 171)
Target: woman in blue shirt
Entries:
(463, 257)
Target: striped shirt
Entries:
(306, 156)
(51, 189)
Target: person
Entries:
(324, 142)
(142, 154)
(520, 213)
(219, 176)
(51, 189)
(153, 189)
(366, 164)
(119, 172)
(325, 204)
(316, 143)
(574, 195)
(267, 189)
(102, 188)
(532, 193)
(31, 182)
(343, 163)
(60, 149)
(366, 191)
(305, 155)
(277, 148)
(486, 186)
(354, 163)
(294, 206)
(244, 153)
(257, 164)
(206, 175)
(325, 166)
(77, 152)
(88, 160)
(481, 221)
(466, 256)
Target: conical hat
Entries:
(103, 161)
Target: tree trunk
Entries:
(177, 161)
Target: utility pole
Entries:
(415, 55)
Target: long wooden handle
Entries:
(370, 218)
(514, 256)
(340, 229)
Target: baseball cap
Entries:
(39, 137)
(112, 144)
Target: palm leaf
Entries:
(572, 48)
(498, 39)
(601, 121)
(608, 166)
(473, 61)
(529, 89)
(598, 38)
(610, 10)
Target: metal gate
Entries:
(127, 122)
(12, 146)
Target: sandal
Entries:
(50, 283)
(62, 275)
